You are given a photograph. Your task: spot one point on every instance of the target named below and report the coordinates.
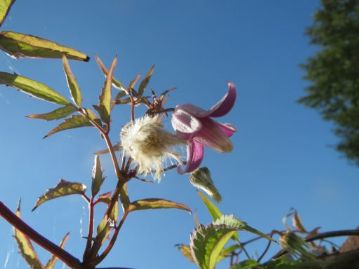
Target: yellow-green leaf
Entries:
(105, 198)
(104, 108)
(186, 251)
(72, 83)
(211, 207)
(63, 188)
(5, 6)
(115, 83)
(56, 114)
(32, 88)
(26, 248)
(155, 203)
(23, 45)
(52, 262)
(145, 81)
(97, 176)
(76, 121)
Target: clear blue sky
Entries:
(283, 153)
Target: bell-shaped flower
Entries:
(196, 126)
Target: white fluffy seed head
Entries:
(147, 143)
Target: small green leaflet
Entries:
(104, 198)
(115, 83)
(32, 88)
(145, 81)
(72, 83)
(26, 248)
(76, 121)
(5, 6)
(23, 45)
(63, 188)
(97, 176)
(52, 262)
(201, 179)
(155, 203)
(212, 208)
(207, 242)
(104, 108)
(56, 114)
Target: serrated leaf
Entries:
(145, 81)
(115, 147)
(52, 262)
(23, 45)
(56, 114)
(104, 108)
(232, 222)
(97, 176)
(155, 203)
(76, 121)
(26, 248)
(201, 179)
(186, 251)
(207, 242)
(5, 6)
(32, 88)
(72, 83)
(63, 188)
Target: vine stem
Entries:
(42, 241)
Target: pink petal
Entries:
(224, 105)
(227, 128)
(214, 135)
(184, 122)
(195, 153)
(192, 110)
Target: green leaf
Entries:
(97, 176)
(207, 242)
(32, 88)
(248, 264)
(63, 188)
(212, 208)
(72, 83)
(145, 81)
(232, 222)
(115, 83)
(26, 248)
(52, 262)
(155, 203)
(5, 6)
(201, 179)
(56, 114)
(23, 45)
(186, 251)
(104, 108)
(76, 121)
(105, 198)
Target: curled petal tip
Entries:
(223, 106)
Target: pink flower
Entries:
(196, 126)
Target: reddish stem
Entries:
(20, 225)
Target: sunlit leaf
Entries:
(212, 208)
(76, 121)
(63, 188)
(23, 45)
(154, 203)
(72, 83)
(207, 242)
(5, 6)
(232, 222)
(104, 108)
(56, 114)
(186, 251)
(32, 88)
(145, 81)
(97, 176)
(115, 147)
(116, 83)
(26, 249)
(52, 262)
(201, 179)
